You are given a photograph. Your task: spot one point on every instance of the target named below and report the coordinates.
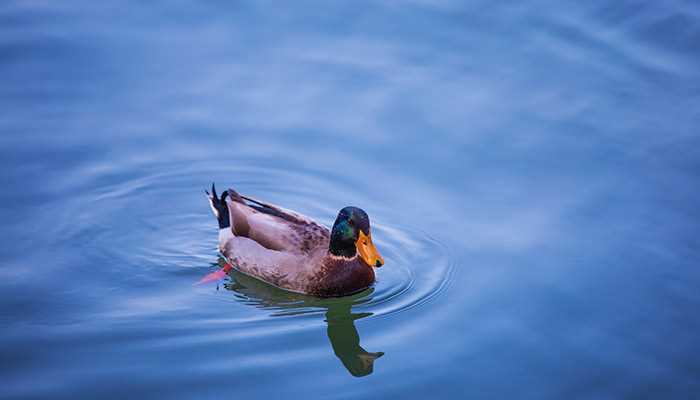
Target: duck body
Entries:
(293, 252)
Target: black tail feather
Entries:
(219, 204)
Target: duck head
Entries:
(351, 236)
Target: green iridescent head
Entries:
(351, 236)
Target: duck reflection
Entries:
(340, 320)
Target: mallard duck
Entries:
(293, 252)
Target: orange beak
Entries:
(366, 250)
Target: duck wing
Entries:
(274, 227)
(269, 208)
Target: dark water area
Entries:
(530, 169)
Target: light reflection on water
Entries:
(342, 334)
(530, 170)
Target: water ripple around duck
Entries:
(166, 231)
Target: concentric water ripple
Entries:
(166, 232)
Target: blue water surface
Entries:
(531, 171)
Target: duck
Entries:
(293, 252)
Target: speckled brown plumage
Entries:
(338, 276)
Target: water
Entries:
(530, 171)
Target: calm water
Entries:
(531, 171)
